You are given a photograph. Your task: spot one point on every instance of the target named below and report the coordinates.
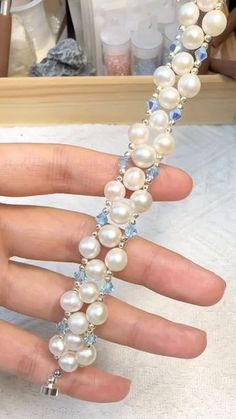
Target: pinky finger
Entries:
(29, 357)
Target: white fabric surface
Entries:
(203, 228)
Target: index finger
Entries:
(38, 169)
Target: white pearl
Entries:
(159, 120)
(214, 23)
(189, 85)
(78, 323)
(57, 345)
(189, 14)
(70, 301)
(68, 362)
(97, 313)
(89, 292)
(134, 179)
(114, 190)
(193, 37)
(164, 76)
(86, 356)
(169, 98)
(116, 260)
(183, 63)
(165, 143)
(89, 247)
(110, 235)
(121, 211)
(138, 134)
(142, 200)
(144, 156)
(95, 270)
(207, 5)
(73, 342)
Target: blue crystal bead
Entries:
(62, 327)
(175, 115)
(176, 47)
(131, 231)
(153, 105)
(107, 288)
(80, 276)
(201, 54)
(90, 339)
(102, 219)
(152, 172)
(124, 162)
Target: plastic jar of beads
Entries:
(147, 47)
(116, 51)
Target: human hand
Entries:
(53, 234)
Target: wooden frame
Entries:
(121, 100)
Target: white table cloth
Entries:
(203, 228)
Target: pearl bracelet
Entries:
(149, 142)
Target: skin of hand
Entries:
(39, 233)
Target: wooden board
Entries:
(36, 101)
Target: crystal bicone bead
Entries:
(152, 173)
(90, 338)
(102, 219)
(123, 162)
(107, 288)
(201, 54)
(175, 114)
(153, 105)
(80, 276)
(62, 327)
(131, 231)
(176, 47)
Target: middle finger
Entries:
(53, 234)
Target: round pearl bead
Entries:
(71, 302)
(114, 190)
(169, 98)
(73, 342)
(165, 143)
(95, 270)
(116, 260)
(89, 292)
(121, 211)
(86, 356)
(97, 313)
(144, 156)
(68, 362)
(110, 236)
(193, 37)
(89, 247)
(159, 120)
(183, 63)
(78, 323)
(142, 201)
(164, 76)
(138, 134)
(189, 85)
(189, 14)
(207, 5)
(57, 345)
(214, 23)
(134, 179)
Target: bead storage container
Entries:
(116, 51)
(146, 51)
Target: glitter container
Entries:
(147, 46)
(116, 51)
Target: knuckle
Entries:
(29, 363)
(4, 282)
(59, 169)
(132, 336)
